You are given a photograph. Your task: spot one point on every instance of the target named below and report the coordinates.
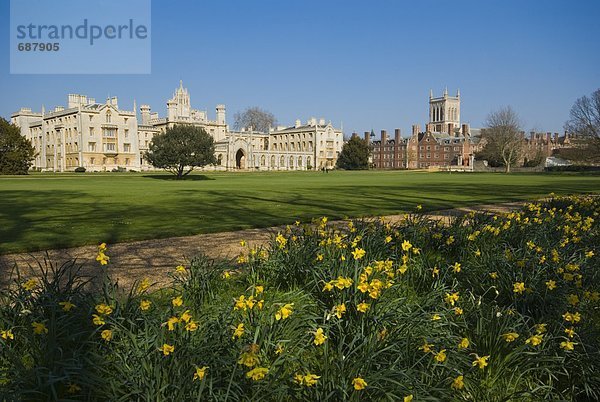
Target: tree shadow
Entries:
(190, 177)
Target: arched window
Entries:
(272, 161)
(108, 116)
(220, 159)
(291, 162)
(263, 161)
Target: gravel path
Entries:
(156, 258)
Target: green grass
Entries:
(45, 211)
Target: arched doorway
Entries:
(240, 159)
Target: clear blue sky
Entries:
(368, 64)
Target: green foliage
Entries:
(180, 149)
(355, 155)
(423, 302)
(16, 152)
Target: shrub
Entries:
(79, 169)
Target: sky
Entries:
(361, 64)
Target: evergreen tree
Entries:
(180, 149)
(16, 151)
(354, 155)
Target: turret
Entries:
(145, 113)
(221, 114)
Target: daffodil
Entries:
(339, 310)
(451, 298)
(97, 320)
(362, 307)
(458, 383)
(456, 267)
(66, 305)
(535, 340)
(567, 345)
(510, 336)
(551, 285)
(7, 334)
(167, 349)
(200, 373)
(107, 335)
(320, 337)
(30, 285)
(180, 269)
(519, 287)
(464, 343)
(358, 253)
(39, 328)
(145, 305)
(104, 309)
(257, 373)
(359, 383)
(572, 317)
(481, 362)
(171, 323)
(440, 356)
(408, 398)
(238, 331)
(406, 245)
(284, 312)
(177, 302)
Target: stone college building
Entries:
(104, 137)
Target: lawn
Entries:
(45, 211)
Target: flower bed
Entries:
(486, 308)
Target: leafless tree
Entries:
(503, 140)
(255, 118)
(584, 124)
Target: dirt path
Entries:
(156, 258)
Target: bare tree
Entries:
(254, 118)
(584, 124)
(503, 140)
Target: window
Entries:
(126, 161)
(109, 132)
(126, 133)
(91, 131)
(126, 147)
(108, 117)
(110, 146)
(92, 146)
(92, 161)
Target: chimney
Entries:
(383, 137)
(415, 129)
(298, 123)
(397, 136)
(466, 130)
(532, 135)
(354, 135)
(321, 122)
(548, 135)
(556, 138)
(367, 137)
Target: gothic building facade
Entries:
(103, 137)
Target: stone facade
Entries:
(102, 137)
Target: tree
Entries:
(503, 140)
(584, 125)
(16, 151)
(180, 149)
(354, 155)
(255, 118)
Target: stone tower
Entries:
(444, 112)
(178, 107)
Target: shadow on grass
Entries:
(190, 177)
